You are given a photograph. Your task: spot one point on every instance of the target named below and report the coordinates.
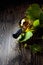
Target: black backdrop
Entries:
(18, 2)
(6, 3)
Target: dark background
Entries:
(5, 3)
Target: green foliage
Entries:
(36, 23)
(35, 48)
(27, 36)
(33, 12)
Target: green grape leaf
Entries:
(33, 12)
(36, 23)
(27, 36)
